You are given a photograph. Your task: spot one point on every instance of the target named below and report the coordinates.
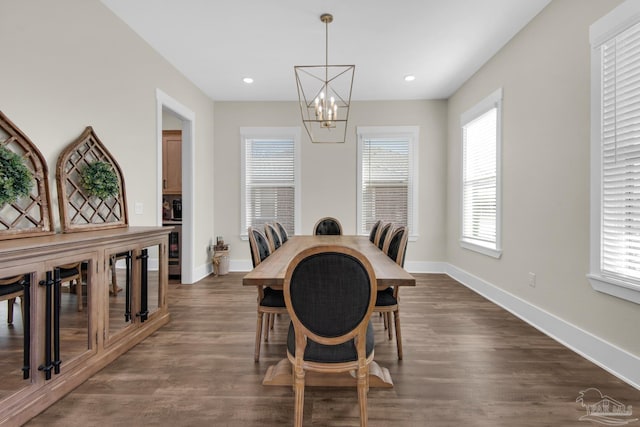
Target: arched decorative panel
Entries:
(78, 210)
(29, 215)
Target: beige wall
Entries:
(170, 121)
(328, 170)
(62, 71)
(71, 63)
(545, 74)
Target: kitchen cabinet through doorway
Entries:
(171, 162)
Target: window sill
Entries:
(494, 253)
(615, 287)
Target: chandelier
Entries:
(324, 92)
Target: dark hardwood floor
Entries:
(466, 362)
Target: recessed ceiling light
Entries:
(409, 78)
(248, 80)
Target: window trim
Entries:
(412, 133)
(293, 133)
(493, 100)
(609, 26)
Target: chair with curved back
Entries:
(383, 231)
(374, 231)
(270, 301)
(10, 289)
(273, 236)
(284, 236)
(330, 292)
(387, 301)
(327, 226)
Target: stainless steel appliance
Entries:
(177, 209)
(175, 244)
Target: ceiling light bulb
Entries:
(409, 78)
(247, 80)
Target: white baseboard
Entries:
(202, 272)
(153, 264)
(425, 267)
(611, 358)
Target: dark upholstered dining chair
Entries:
(330, 292)
(270, 301)
(383, 231)
(374, 231)
(10, 289)
(273, 236)
(284, 236)
(327, 226)
(388, 300)
(72, 273)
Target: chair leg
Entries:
(79, 293)
(10, 303)
(363, 388)
(114, 276)
(396, 316)
(272, 320)
(267, 321)
(385, 319)
(388, 316)
(256, 353)
(298, 411)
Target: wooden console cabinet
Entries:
(72, 329)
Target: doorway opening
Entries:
(172, 115)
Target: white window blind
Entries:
(269, 182)
(481, 176)
(614, 264)
(620, 136)
(386, 177)
(479, 193)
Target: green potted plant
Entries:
(98, 179)
(16, 180)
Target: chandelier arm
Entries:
(346, 103)
(301, 68)
(302, 94)
(351, 67)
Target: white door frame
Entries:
(188, 117)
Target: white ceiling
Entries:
(216, 43)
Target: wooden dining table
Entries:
(271, 272)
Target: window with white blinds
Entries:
(621, 154)
(480, 176)
(615, 252)
(387, 181)
(270, 177)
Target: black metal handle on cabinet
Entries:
(48, 365)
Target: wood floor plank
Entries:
(466, 362)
